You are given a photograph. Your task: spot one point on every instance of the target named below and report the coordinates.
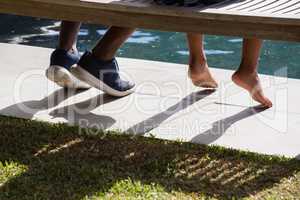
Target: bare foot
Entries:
(201, 76)
(251, 83)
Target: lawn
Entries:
(46, 161)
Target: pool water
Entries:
(277, 58)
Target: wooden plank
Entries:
(218, 19)
(217, 11)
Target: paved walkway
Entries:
(165, 104)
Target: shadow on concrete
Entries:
(80, 113)
(28, 109)
(153, 122)
(220, 127)
(62, 163)
(75, 114)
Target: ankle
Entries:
(102, 56)
(68, 49)
(197, 63)
(197, 58)
(247, 70)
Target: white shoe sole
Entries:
(85, 76)
(64, 78)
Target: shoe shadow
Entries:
(220, 127)
(81, 113)
(28, 109)
(153, 122)
(75, 114)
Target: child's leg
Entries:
(198, 71)
(68, 35)
(246, 76)
(109, 44)
(105, 49)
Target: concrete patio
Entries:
(165, 104)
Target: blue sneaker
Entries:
(61, 62)
(103, 75)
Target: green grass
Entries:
(45, 161)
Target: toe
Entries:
(205, 84)
(259, 97)
(269, 103)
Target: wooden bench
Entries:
(266, 19)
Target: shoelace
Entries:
(116, 64)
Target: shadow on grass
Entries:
(64, 164)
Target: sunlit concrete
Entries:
(165, 104)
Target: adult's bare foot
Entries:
(251, 83)
(201, 76)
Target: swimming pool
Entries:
(277, 58)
